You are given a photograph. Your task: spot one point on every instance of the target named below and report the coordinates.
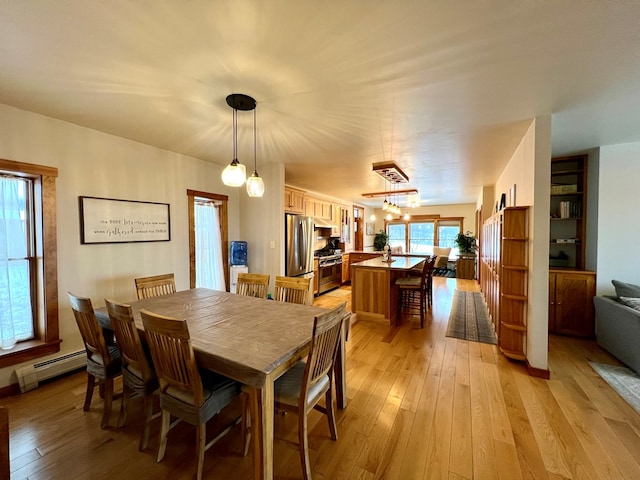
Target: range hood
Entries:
(322, 223)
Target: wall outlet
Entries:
(272, 244)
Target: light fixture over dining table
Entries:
(234, 174)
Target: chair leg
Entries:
(124, 405)
(303, 441)
(201, 441)
(147, 403)
(166, 417)
(108, 400)
(91, 384)
(328, 398)
(423, 307)
(246, 424)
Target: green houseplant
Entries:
(466, 242)
(380, 240)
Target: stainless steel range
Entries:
(329, 270)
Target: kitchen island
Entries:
(373, 292)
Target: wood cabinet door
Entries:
(574, 304)
(346, 274)
(552, 303)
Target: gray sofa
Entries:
(618, 330)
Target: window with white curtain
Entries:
(208, 245)
(17, 296)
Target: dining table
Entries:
(250, 340)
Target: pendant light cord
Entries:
(255, 149)
(235, 132)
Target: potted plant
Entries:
(380, 240)
(466, 242)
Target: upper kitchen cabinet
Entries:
(568, 212)
(294, 201)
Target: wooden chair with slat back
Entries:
(194, 396)
(139, 377)
(253, 284)
(156, 285)
(416, 293)
(301, 387)
(293, 290)
(103, 361)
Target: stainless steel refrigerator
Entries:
(298, 246)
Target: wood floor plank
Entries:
(421, 405)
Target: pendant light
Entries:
(255, 185)
(235, 174)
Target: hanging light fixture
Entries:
(235, 174)
(255, 185)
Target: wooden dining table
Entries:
(251, 340)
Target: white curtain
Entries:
(209, 271)
(12, 245)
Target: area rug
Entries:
(623, 380)
(469, 318)
(444, 272)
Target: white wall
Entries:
(97, 164)
(529, 170)
(618, 225)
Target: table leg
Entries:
(339, 369)
(262, 413)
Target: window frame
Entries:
(422, 219)
(47, 333)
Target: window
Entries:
(197, 200)
(28, 260)
(17, 297)
(421, 233)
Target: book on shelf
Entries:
(568, 209)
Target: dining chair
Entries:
(253, 284)
(293, 290)
(139, 379)
(416, 293)
(301, 387)
(103, 360)
(156, 285)
(186, 392)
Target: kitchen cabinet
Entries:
(571, 302)
(466, 266)
(294, 201)
(346, 274)
(355, 257)
(316, 277)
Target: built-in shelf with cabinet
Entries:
(504, 277)
(568, 212)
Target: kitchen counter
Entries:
(373, 292)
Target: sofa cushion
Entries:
(632, 302)
(442, 257)
(626, 289)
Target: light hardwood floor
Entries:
(421, 405)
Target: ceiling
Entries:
(445, 89)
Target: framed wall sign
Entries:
(106, 220)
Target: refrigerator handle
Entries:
(303, 246)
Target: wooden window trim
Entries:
(224, 233)
(47, 332)
(436, 218)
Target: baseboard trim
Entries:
(538, 372)
(10, 390)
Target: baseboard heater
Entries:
(29, 376)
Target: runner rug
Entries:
(469, 318)
(623, 380)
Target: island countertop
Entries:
(374, 294)
(398, 263)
